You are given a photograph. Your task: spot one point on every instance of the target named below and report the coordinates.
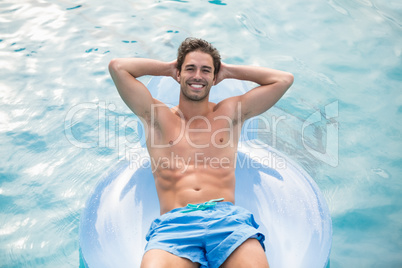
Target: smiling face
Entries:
(196, 76)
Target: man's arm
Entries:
(273, 84)
(124, 73)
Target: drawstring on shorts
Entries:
(202, 206)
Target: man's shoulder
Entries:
(228, 106)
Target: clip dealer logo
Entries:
(97, 125)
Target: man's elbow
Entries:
(114, 65)
(287, 79)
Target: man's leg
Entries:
(248, 254)
(163, 259)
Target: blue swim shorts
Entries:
(206, 236)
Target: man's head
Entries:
(195, 44)
(198, 64)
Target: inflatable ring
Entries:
(284, 199)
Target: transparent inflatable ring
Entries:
(286, 202)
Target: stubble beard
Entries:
(185, 89)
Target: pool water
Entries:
(63, 124)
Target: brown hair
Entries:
(195, 44)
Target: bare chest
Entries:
(200, 142)
(199, 132)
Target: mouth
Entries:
(196, 86)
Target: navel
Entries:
(171, 142)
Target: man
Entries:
(196, 228)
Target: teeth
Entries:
(197, 86)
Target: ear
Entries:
(214, 81)
(178, 76)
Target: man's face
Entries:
(197, 75)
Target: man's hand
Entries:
(174, 70)
(222, 74)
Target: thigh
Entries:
(248, 254)
(160, 258)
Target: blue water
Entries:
(63, 124)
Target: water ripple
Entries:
(250, 25)
(54, 56)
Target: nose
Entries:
(197, 75)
